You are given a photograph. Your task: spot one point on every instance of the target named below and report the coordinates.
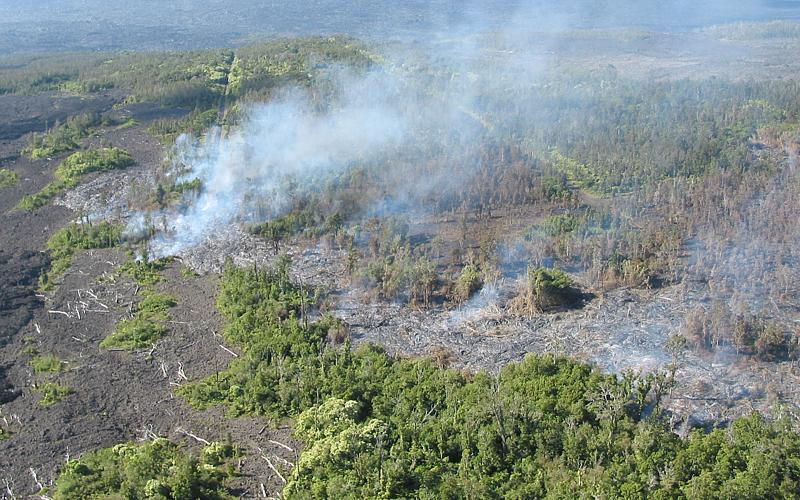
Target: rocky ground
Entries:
(118, 396)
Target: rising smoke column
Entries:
(284, 139)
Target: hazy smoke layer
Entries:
(285, 141)
(290, 141)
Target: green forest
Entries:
(376, 426)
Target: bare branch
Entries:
(181, 430)
(229, 351)
(281, 445)
(274, 469)
(9, 490)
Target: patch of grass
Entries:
(145, 272)
(129, 123)
(30, 351)
(156, 306)
(40, 199)
(135, 333)
(47, 364)
(64, 243)
(70, 171)
(62, 138)
(147, 325)
(52, 393)
(8, 178)
(188, 272)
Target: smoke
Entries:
(387, 115)
(284, 141)
(294, 143)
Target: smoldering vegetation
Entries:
(507, 191)
(506, 184)
(395, 209)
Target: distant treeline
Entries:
(193, 79)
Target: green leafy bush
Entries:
(546, 289)
(146, 272)
(281, 228)
(468, 282)
(47, 364)
(8, 178)
(68, 240)
(156, 469)
(147, 325)
(52, 393)
(557, 225)
(134, 333)
(93, 160)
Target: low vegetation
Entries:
(260, 69)
(196, 123)
(546, 289)
(168, 193)
(155, 469)
(61, 138)
(468, 282)
(8, 178)
(146, 272)
(72, 238)
(70, 171)
(145, 327)
(148, 320)
(52, 393)
(47, 364)
(748, 334)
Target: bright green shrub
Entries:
(156, 469)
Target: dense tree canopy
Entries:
(378, 426)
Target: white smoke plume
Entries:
(286, 139)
